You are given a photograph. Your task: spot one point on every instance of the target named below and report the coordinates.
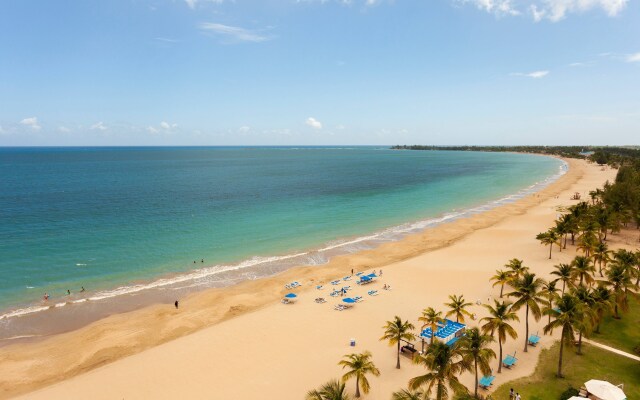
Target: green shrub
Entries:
(569, 393)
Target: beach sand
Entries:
(241, 342)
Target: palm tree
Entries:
(548, 238)
(516, 268)
(405, 394)
(564, 272)
(621, 286)
(603, 301)
(431, 318)
(527, 293)
(395, 332)
(587, 243)
(498, 321)
(359, 366)
(563, 229)
(475, 350)
(566, 315)
(458, 307)
(549, 292)
(501, 278)
(332, 390)
(601, 255)
(585, 297)
(444, 364)
(583, 270)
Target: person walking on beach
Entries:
(511, 394)
(351, 271)
(518, 396)
(176, 304)
(46, 296)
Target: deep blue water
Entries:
(104, 217)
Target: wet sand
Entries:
(241, 342)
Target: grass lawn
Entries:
(624, 333)
(593, 364)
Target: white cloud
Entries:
(167, 126)
(63, 129)
(193, 3)
(314, 123)
(166, 40)
(98, 126)
(497, 7)
(31, 122)
(151, 129)
(234, 32)
(633, 57)
(553, 10)
(244, 129)
(534, 74)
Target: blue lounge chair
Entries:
(486, 381)
(510, 361)
(335, 282)
(372, 292)
(534, 339)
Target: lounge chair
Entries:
(534, 339)
(346, 278)
(285, 301)
(335, 282)
(372, 292)
(335, 293)
(510, 361)
(486, 381)
(358, 299)
(359, 273)
(320, 300)
(319, 287)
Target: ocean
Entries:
(121, 221)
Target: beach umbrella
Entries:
(372, 275)
(349, 300)
(365, 278)
(604, 390)
(290, 295)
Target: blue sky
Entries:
(278, 72)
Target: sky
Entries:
(319, 72)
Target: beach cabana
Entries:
(349, 300)
(510, 360)
(603, 390)
(486, 381)
(534, 339)
(448, 332)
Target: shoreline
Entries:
(120, 335)
(33, 322)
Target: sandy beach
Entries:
(241, 342)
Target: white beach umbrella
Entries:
(604, 390)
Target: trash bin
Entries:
(353, 343)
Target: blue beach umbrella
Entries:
(349, 300)
(365, 278)
(290, 295)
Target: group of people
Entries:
(46, 295)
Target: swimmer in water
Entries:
(68, 292)
(82, 290)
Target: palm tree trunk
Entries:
(475, 392)
(398, 362)
(500, 359)
(502, 289)
(580, 342)
(526, 333)
(601, 269)
(564, 283)
(560, 355)
(550, 304)
(565, 241)
(357, 386)
(550, 247)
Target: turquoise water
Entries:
(105, 217)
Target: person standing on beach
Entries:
(46, 296)
(518, 396)
(511, 394)
(176, 304)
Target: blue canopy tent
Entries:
(290, 295)
(348, 300)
